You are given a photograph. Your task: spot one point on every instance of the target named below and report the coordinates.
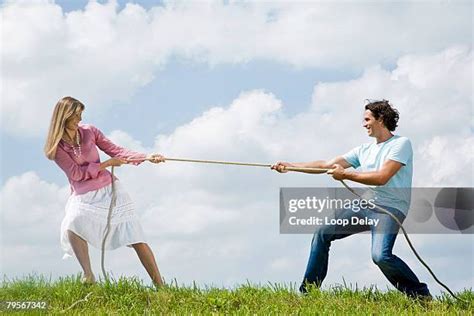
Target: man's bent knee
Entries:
(380, 258)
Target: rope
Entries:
(106, 233)
(221, 162)
(77, 302)
(107, 227)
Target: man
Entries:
(386, 164)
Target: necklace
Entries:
(77, 150)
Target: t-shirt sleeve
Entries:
(352, 157)
(401, 151)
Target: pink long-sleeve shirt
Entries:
(83, 172)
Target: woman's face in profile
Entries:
(72, 122)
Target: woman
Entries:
(73, 147)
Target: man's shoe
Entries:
(425, 298)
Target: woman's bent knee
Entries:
(139, 245)
(74, 236)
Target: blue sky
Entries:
(71, 5)
(239, 81)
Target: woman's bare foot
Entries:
(88, 279)
(158, 283)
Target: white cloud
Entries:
(31, 214)
(27, 201)
(449, 161)
(101, 55)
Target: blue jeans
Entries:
(383, 239)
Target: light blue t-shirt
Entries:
(370, 157)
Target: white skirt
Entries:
(86, 216)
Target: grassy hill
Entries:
(131, 296)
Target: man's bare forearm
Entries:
(320, 164)
(312, 164)
(369, 178)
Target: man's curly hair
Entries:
(388, 114)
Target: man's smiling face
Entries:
(372, 125)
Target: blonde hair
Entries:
(64, 109)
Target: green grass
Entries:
(131, 296)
